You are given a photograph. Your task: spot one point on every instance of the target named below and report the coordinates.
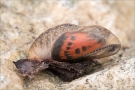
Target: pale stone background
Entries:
(21, 21)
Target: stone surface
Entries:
(21, 21)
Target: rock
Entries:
(22, 21)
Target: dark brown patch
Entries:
(66, 52)
(68, 48)
(69, 43)
(77, 51)
(83, 48)
(57, 46)
(67, 55)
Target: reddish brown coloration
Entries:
(68, 50)
(81, 40)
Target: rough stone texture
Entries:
(21, 21)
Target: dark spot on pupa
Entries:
(69, 43)
(72, 37)
(65, 52)
(68, 48)
(83, 48)
(67, 55)
(77, 51)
